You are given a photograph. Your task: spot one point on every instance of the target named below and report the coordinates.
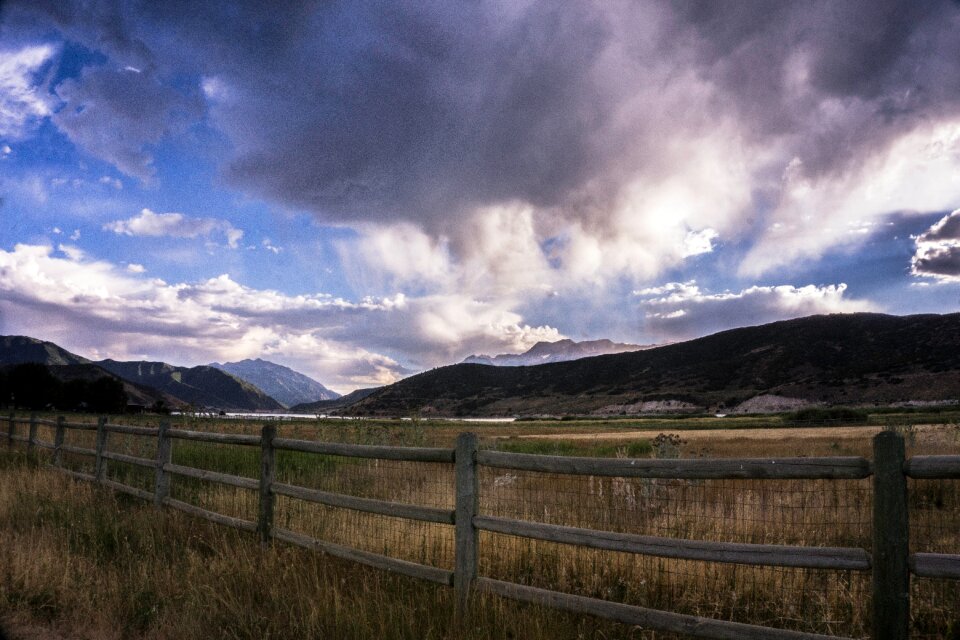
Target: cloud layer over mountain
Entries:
(484, 175)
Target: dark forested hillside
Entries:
(835, 359)
(198, 386)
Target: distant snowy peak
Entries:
(283, 384)
(559, 351)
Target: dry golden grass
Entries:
(88, 564)
(100, 566)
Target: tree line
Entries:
(32, 386)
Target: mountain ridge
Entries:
(323, 406)
(201, 386)
(24, 349)
(145, 382)
(283, 384)
(831, 359)
(544, 352)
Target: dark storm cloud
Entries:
(940, 262)
(424, 111)
(938, 250)
(412, 114)
(947, 228)
(886, 65)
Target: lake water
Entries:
(314, 416)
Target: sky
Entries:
(362, 191)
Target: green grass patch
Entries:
(815, 416)
(633, 449)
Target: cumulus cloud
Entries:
(938, 250)
(681, 310)
(174, 225)
(343, 343)
(947, 229)
(22, 100)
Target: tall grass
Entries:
(95, 565)
(105, 566)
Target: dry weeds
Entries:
(83, 561)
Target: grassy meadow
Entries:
(90, 564)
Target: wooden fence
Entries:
(890, 560)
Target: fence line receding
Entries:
(453, 479)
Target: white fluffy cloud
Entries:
(938, 250)
(21, 99)
(174, 225)
(681, 310)
(103, 309)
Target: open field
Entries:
(927, 439)
(102, 566)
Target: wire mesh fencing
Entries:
(353, 496)
(422, 484)
(934, 528)
(783, 512)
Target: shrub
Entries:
(825, 416)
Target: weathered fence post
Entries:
(100, 468)
(891, 540)
(32, 437)
(11, 429)
(267, 472)
(58, 441)
(161, 483)
(467, 481)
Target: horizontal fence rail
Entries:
(933, 467)
(133, 431)
(217, 438)
(382, 507)
(888, 561)
(936, 565)
(212, 476)
(212, 516)
(412, 569)
(696, 469)
(764, 555)
(406, 454)
(642, 617)
(122, 457)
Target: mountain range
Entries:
(861, 358)
(329, 406)
(559, 351)
(200, 387)
(283, 384)
(147, 383)
(849, 359)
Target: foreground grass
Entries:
(102, 566)
(93, 565)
